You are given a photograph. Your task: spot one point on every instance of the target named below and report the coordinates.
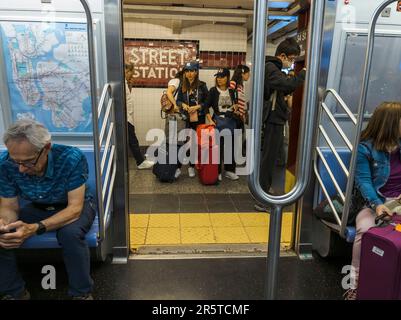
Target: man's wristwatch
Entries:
(41, 228)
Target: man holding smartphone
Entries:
(50, 179)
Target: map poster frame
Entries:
(156, 61)
(8, 100)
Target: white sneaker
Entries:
(231, 175)
(220, 177)
(146, 164)
(177, 173)
(191, 172)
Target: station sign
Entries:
(155, 62)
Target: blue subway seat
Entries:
(340, 176)
(49, 240)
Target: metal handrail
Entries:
(337, 126)
(339, 191)
(107, 210)
(333, 149)
(106, 178)
(361, 109)
(108, 123)
(341, 102)
(307, 128)
(95, 115)
(326, 193)
(318, 152)
(106, 91)
(106, 117)
(107, 146)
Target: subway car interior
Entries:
(78, 66)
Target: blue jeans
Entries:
(75, 252)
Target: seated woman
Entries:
(377, 175)
(222, 99)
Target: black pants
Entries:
(272, 144)
(134, 144)
(227, 166)
(193, 126)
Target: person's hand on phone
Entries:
(383, 210)
(3, 226)
(13, 240)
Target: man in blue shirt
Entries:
(51, 179)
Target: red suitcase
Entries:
(208, 152)
(380, 269)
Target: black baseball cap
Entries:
(222, 72)
(192, 65)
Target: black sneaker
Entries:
(87, 296)
(25, 295)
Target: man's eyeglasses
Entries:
(26, 164)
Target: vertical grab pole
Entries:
(276, 218)
(361, 109)
(306, 131)
(95, 116)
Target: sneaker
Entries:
(146, 164)
(25, 295)
(231, 175)
(350, 294)
(191, 172)
(177, 173)
(220, 177)
(87, 296)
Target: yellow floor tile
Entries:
(197, 235)
(163, 236)
(138, 235)
(230, 235)
(289, 181)
(286, 231)
(254, 219)
(257, 234)
(225, 220)
(164, 221)
(195, 220)
(139, 220)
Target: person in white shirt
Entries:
(133, 143)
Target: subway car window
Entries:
(218, 150)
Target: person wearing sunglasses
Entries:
(43, 188)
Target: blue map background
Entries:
(17, 103)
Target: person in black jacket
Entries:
(191, 101)
(222, 99)
(276, 111)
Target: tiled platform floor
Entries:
(204, 228)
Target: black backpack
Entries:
(165, 172)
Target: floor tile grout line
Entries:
(243, 226)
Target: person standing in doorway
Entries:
(276, 111)
(191, 100)
(133, 143)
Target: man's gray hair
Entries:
(31, 130)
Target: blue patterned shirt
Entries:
(67, 169)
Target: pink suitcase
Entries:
(380, 269)
(208, 151)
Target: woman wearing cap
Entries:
(191, 99)
(222, 99)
